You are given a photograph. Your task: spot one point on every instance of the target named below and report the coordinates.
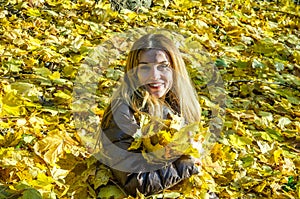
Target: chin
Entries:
(157, 95)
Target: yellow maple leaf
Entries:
(53, 146)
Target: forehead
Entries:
(153, 56)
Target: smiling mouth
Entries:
(155, 85)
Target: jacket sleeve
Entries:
(130, 168)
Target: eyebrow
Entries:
(163, 62)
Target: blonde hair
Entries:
(182, 97)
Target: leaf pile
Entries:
(163, 140)
(252, 94)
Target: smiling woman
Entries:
(155, 72)
(156, 86)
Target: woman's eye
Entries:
(163, 66)
(144, 67)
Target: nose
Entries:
(154, 73)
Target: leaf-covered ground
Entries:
(255, 46)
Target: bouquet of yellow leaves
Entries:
(166, 139)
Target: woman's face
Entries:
(154, 72)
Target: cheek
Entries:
(142, 77)
(169, 77)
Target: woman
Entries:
(156, 82)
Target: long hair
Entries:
(182, 97)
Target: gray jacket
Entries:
(130, 168)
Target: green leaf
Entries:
(45, 72)
(102, 177)
(14, 64)
(6, 192)
(221, 62)
(257, 64)
(279, 66)
(248, 161)
(111, 191)
(241, 64)
(15, 68)
(293, 99)
(275, 134)
(31, 194)
(265, 46)
(239, 141)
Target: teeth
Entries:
(155, 84)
